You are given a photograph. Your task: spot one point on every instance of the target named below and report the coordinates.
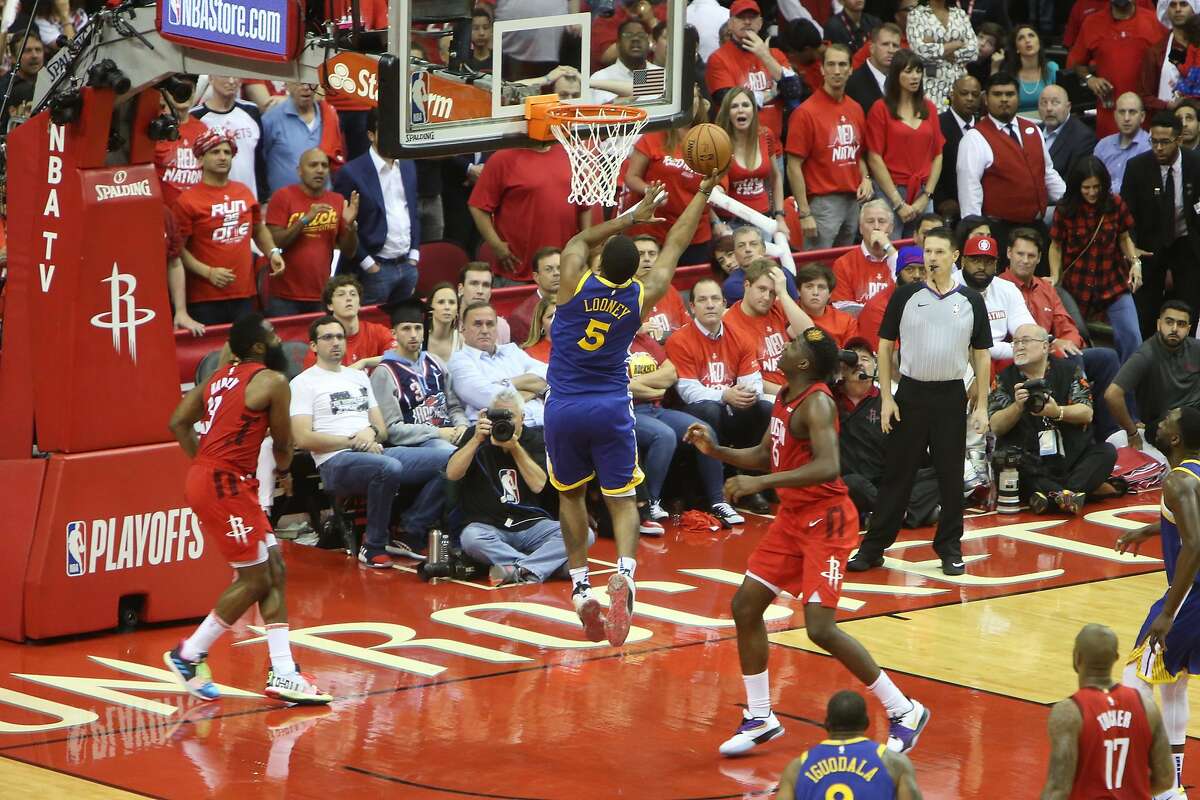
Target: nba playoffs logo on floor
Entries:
(76, 548)
(123, 313)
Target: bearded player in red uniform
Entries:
(235, 409)
(805, 550)
(1107, 740)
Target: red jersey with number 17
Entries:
(789, 452)
(1114, 745)
(231, 434)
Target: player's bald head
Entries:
(846, 713)
(1095, 649)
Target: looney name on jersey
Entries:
(605, 305)
(840, 764)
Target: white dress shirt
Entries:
(616, 71)
(880, 77)
(479, 376)
(975, 156)
(398, 244)
(1180, 218)
(707, 17)
(964, 125)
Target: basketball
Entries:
(707, 149)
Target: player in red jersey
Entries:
(805, 550)
(238, 404)
(1107, 741)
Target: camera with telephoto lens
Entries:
(456, 565)
(1039, 393)
(1007, 458)
(502, 424)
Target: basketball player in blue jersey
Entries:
(589, 410)
(848, 765)
(1168, 648)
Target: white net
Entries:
(597, 141)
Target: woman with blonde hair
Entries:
(537, 344)
(755, 176)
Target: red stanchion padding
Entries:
(22, 482)
(114, 524)
(92, 240)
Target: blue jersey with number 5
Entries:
(850, 769)
(592, 333)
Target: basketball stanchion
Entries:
(778, 246)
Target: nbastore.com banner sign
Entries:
(264, 29)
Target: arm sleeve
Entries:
(918, 26)
(889, 326)
(278, 210)
(1081, 49)
(717, 75)
(302, 397)
(875, 137)
(1055, 187)
(981, 334)
(1133, 372)
(799, 137)
(262, 190)
(490, 186)
(1064, 326)
(531, 365)
(970, 49)
(453, 404)
(691, 390)
(974, 156)
(471, 385)
(1080, 393)
(999, 399)
(841, 275)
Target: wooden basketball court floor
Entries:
(461, 690)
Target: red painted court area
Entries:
(457, 690)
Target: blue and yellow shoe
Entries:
(194, 675)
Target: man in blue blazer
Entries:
(389, 229)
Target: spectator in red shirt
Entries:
(216, 219)
(537, 341)
(768, 318)
(546, 278)
(308, 221)
(177, 166)
(826, 166)
(747, 60)
(1108, 54)
(366, 342)
(910, 268)
(1082, 9)
(866, 270)
(904, 143)
(719, 380)
(658, 157)
(755, 177)
(670, 313)
(520, 205)
(475, 286)
(816, 282)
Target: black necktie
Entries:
(1169, 196)
(1013, 133)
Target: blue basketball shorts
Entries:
(1182, 646)
(592, 437)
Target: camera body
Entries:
(503, 427)
(1039, 394)
(456, 565)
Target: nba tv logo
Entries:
(76, 548)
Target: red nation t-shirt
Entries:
(527, 191)
(859, 278)
(715, 364)
(177, 167)
(310, 256)
(216, 224)
(828, 135)
(669, 314)
(768, 333)
(731, 66)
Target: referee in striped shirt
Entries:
(944, 328)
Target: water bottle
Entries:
(437, 563)
(1008, 494)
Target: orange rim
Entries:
(594, 115)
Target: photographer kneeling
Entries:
(500, 468)
(1042, 409)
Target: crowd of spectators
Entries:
(1064, 156)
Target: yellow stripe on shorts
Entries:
(1150, 666)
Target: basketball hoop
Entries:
(597, 139)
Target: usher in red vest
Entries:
(1014, 186)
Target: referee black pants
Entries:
(933, 415)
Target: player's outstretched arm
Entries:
(678, 238)
(573, 262)
(1063, 726)
(1162, 765)
(816, 420)
(753, 458)
(184, 419)
(903, 775)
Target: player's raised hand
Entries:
(656, 195)
(712, 180)
(699, 437)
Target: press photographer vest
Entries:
(1059, 376)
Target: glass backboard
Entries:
(458, 79)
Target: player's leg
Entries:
(621, 587)
(572, 513)
(1174, 707)
(758, 725)
(614, 454)
(285, 681)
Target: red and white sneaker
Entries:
(620, 609)
(299, 688)
(590, 615)
(377, 561)
(649, 527)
